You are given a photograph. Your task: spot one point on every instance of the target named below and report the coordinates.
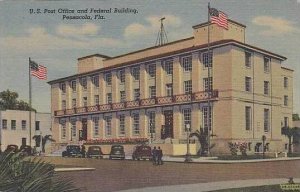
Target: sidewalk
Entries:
(201, 187)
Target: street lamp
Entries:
(151, 132)
(188, 154)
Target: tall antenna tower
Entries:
(162, 35)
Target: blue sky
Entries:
(273, 25)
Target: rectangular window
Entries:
(207, 117)
(187, 63)
(122, 75)
(187, 119)
(95, 80)
(73, 103)
(73, 128)
(136, 94)
(266, 120)
(207, 84)
(37, 125)
(168, 66)
(286, 121)
(96, 99)
(108, 78)
(96, 126)
(286, 100)
(248, 118)
(13, 125)
(107, 125)
(207, 59)
(152, 91)
(83, 83)
(169, 89)
(135, 72)
(248, 59)
(122, 124)
(84, 101)
(152, 70)
(136, 124)
(151, 122)
(4, 124)
(23, 125)
(266, 87)
(73, 85)
(63, 129)
(248, 86)
(122, 96)
(63, 104)
(63, 87)
(109, 97)
(267, 64)
(188, 87)
(285, 82)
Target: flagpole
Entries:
(208, 76)
(30, 98)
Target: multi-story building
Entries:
(15, 128)
(165, 88)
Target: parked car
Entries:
(72, 151)
(94, 151)
(142, 152)
(26, 150)
(11, 149)
(117, 152)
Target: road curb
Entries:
(73, 169)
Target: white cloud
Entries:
(275, 26)
(89, 29)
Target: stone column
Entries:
(115, 87)
(196, 73)
(160, 79)
(159, 121)
(177, 127)
(143, 82)
(177, 76)
(102, 89)
(128, 84)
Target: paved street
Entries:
(113, 175)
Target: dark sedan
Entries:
(117, 152)
(72, 151)
(94, 151)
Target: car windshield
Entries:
(95, 148)
(73, 147)
(117, 147)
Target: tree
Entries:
(296, 117)
(202, 138)
(291, 133)
(9, 100)
(20, 175)
(44, 139)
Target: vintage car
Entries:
(94, 151)
(11, 149)
(117, 152)
(142, 152)
(26, 150)
(72, 151)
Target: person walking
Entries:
(159, 156)
(154, 156)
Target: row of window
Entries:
(13, 124)
(249, 60)
(248, 119)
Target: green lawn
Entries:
(266, 188)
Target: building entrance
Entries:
(167, 129)
(83, 132)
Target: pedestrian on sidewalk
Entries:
(159, 156)
(154, 156)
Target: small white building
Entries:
(15, 129)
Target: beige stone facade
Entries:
(166, 87)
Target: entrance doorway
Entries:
(83, 132)
(23, 141)
(167, 131)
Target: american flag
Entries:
(37, 70)
(218, 17)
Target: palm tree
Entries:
(291, 133)
(44, 139)
(20, 175)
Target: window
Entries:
(96, 99)
(122, 124)
(96, 126)
(73, 85)
(73, 103)
(4, 124)
(136, 94)
(248, 59)
(122, 96)
(136, 124)
(108, 78)
(248, 86)
(267, 64)
(107, 125)
(286, 100)
(73, 128)
(266, 87)
(286, 121)
(207, 59)
(285, 82)
(188, 87)
(169, 89)
(206, 111)
(109, 97)
(135, 71)
(152, 91)
(83, 83)
(168, 66)
(248, 118)
(151, 122)
(63, 104)
(266, 120)
(84, 101)
(63, 87)
(122, 75)
(207, 84)
(152, 70)
(23, 124)
(63, 129)
(13, 125)
(37, 125)
(95, 80)
(187, 63)
(187, 119)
